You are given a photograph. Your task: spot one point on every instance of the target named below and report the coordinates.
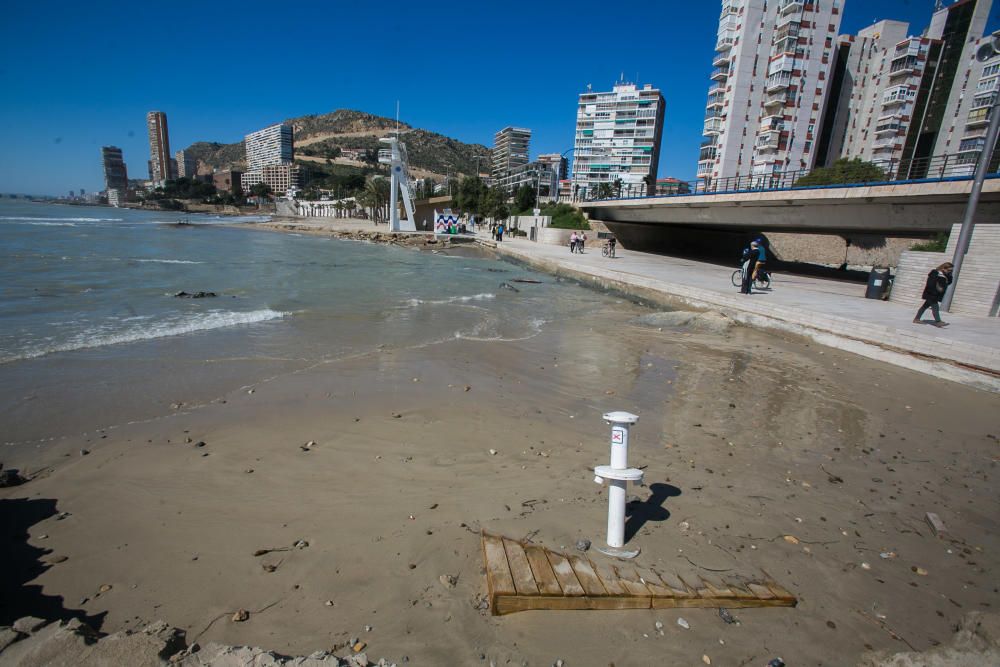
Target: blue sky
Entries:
(75, 76)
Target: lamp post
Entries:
(987, 51)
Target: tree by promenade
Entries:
(844, 171)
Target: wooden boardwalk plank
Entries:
(675, 584)
(540, 567)
(588, 578)
(497, 571)
(524, 580)
(527, 576)
(630, 580)
(610, 579)
(564, 573)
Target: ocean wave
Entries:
(101, 336)
(30, 219)
(413, 303)
(168, 261)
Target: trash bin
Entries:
(878, 284)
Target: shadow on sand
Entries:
(23, 564)
(651, 509)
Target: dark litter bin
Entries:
(878, 284)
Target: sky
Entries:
(75, 76)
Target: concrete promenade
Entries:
(830, 312)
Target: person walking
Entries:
(500, 233)
(582, 243)
(937, 284)
(572, 242)
(750, 256)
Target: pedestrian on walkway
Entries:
(573, 238)
(937, 284)
(582, 243)
(500, 232)
(748, 259)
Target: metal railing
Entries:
(952, 167)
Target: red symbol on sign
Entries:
(617, 437)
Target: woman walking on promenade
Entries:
(937, 284)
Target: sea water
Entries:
(88, 305)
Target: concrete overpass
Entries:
(902, 209)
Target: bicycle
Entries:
(761, 282)
(608, 250)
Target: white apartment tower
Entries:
(902, 101)
(772, 64)
(272, 145)
(271, 159)
(618, 139)
(972, 121)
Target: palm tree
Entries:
(618, 187)
(603, 191)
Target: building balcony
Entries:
(971, 145)
(983, 101)
(720, 74)
(784, 63)
(775, 99)
(725, 43)
(885, 145)
(714, 113)
(771, 124)
(705, 167)
(778, 81)
(715, 101)
(730, 8)
(714, 126)
(721, 59)
(786, 7)
(888, 129)
(708, 153)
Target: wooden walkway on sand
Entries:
(528, 576)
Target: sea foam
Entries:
(104, 335)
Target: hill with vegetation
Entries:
(322, 138)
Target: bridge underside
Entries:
(850, 226)
(892, 210)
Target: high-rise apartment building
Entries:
(618, 140)
(271, 159)
(270, 146)
(510, 150)
(973, 117)
(115, 173)
(901, 100)
(187, 165)
(159, 148)
(772, 64)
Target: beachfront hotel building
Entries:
(771, 69)
(901, 101)
(271, 159)
(159, 148)
(510, 151)
(618, 140)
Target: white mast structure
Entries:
(399, 170)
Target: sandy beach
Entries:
(761, 451)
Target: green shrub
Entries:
(937, 244)
(565, 216)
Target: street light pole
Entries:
(968, 222)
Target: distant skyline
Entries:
(76, 77)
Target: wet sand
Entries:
(747, 437)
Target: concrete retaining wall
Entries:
(553, 236)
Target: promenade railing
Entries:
(950, 167)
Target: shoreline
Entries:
(745, 437)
